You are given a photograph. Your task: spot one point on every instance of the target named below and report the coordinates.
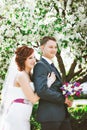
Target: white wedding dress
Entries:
(17, 115)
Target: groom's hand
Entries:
(68, 102)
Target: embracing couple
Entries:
(43, 85)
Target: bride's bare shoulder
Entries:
(22, 74)
(21, 77)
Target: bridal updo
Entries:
(22, 53)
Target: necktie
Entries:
(55, 70)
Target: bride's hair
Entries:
(22, 53)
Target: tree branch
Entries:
(71, 71)
(1, 17)
(77, 73)
(56, 7)
(82, 80)
(61, 66)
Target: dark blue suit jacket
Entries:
(51, 103)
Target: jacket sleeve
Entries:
(40, 82)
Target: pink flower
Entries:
(71, 89)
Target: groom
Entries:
(52, 111)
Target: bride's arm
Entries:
(24, 83)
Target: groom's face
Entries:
(49, 49)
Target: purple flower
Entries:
(70, 89)
(76, 84)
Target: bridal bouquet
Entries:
(71, 89)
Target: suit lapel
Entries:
(51, 68)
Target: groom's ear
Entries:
(42, 48)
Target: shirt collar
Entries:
(49, 61)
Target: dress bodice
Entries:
(15, 93)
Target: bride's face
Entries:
(30, 61)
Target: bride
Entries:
(18, 95)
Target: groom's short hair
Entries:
(45, 39)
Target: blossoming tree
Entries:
(26, 21)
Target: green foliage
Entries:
(78, 112)
(34, 124)
(78, 117)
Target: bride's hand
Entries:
(50, 79)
